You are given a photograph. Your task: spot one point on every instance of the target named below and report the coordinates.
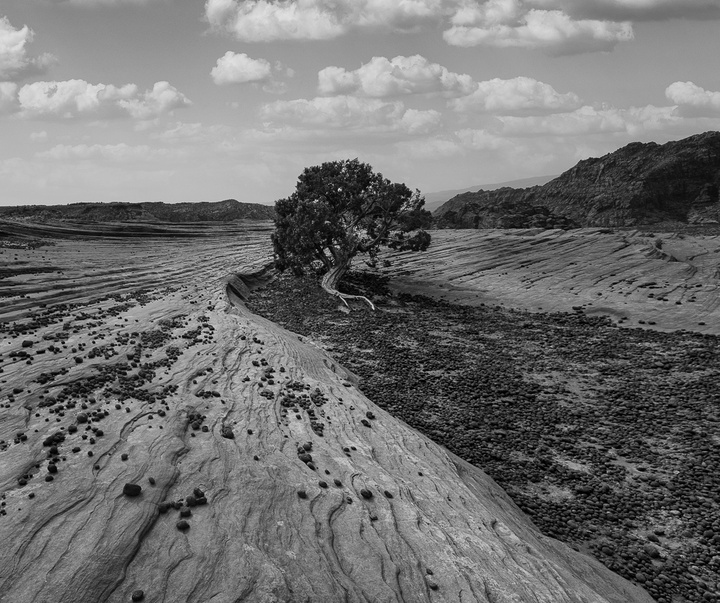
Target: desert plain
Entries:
(164, 438)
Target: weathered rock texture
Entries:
(661, 281)
(171, 362)
(638, 184)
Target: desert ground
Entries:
(661, 280)
(161, 441)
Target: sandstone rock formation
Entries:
(677, 182)
(318, 496)
(660, 281)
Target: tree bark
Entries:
(331, 279)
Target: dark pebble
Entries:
(132, 490)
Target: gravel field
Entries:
(606, 437)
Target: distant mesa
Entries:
(220, 211)
(640, 184)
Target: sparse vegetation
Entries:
(341, 209)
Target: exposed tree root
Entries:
(329, 284)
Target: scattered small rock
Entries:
(132, 490)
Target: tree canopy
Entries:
(343, 208)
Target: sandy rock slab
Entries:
(663, 281)
(159, 442)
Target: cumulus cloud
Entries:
(512, 23)
(554, 26)
(92, 3)
(233, 68)
(239, 68)
(591, 120)
(14, 60)
(77, 98)
(115, 153)
(636, 10)
(415, 121)
(382, 77)
(268, 20)
(8, 97)
(350, 112)
(692, 100)
(520, 95)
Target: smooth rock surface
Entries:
(668, 281)
(172, 353)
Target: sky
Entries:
(193, 100)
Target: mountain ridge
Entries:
(149, 211)
(639, 184)
(435, 199)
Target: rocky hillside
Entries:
(638, 184)
(220, 211)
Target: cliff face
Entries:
(221, 211)
(637, 184)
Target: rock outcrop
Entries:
(674, 183)
(318, 496)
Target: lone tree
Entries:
(340, 209)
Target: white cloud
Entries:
(233, 68)
(590, 120)
(14, 61)
(692, 100)
(92, 3)
(636, 10)
(77, 98)
(114, 153)
(481, 140)
(38, 136)
(430, 148)
(382, 77)
(8, 97)
(261, 21)
(520, 95)
(334, 112)
(509, 23)
(268, 20)
(415, 121)
(351, 113)
(162, 99)
(239, 68)
(554, 26)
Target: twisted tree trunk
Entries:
(331, 279)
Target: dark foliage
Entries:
(342, 208)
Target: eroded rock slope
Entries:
(292, 485)
(674, 183)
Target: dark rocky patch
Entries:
(600, 434)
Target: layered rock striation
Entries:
(160, 442)
(641, 183)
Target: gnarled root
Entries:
(329, 284)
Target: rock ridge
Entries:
(219, 211)
(639, 184)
